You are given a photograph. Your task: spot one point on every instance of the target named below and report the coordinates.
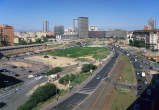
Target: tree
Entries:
(41, 94)
(88, 67)
(45, 39)
(38, 40)
(3, 40)
(54, 71)
(31, 42)
(22, 42)
(65, 79)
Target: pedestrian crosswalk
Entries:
(87, 90)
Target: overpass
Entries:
(19, 47)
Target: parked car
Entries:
(46, 56)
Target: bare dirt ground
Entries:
(54, 61)
(19, 64)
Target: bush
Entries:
(40, 94)
(88, 67)
(54, 71)
(65, 79)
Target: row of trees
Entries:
(137, 43)
(3, 41)
(38, 40)
(54, 71)
(40, 94)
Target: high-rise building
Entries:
(152, 23)
(46, 26)
(59, 30)
(7, 34)
(83, 27)
(75, 25)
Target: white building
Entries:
(93, 28)
(153, 40)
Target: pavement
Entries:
(75, 99)
(15, 97)
(18, 96)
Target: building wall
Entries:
(116, 33)
(59, 30)
(96, 34)
(7, 31)
(153, 40)
(83, 27)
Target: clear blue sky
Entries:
(28, 15)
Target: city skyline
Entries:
(29, 15)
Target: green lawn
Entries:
(80, 78)
(96, 52)
(123, 98)
(127, 75)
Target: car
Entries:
(46, 56)
(148, 91)
(136, 107)
(12, 72)
(17, 75)
(138, 73)
(98, 77)
(2, 104)
(139, 88)
(139, 80)
(30, 71)
(145, 82)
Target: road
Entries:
(148, 97)
(89, 88)
(18, 96)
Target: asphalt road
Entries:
(18, 96)
(148, 97)
(71, 102)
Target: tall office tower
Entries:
(58, 30)
(46, 26)
(83, 27)
(75, 25)
(7, 33)
(152, 23)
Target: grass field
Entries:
(80, 78)
(127, 75)
(123, 98)
(95, 52)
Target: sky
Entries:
(28, 15)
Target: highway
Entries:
(71, 102)
(147, 96)
(101, 98)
